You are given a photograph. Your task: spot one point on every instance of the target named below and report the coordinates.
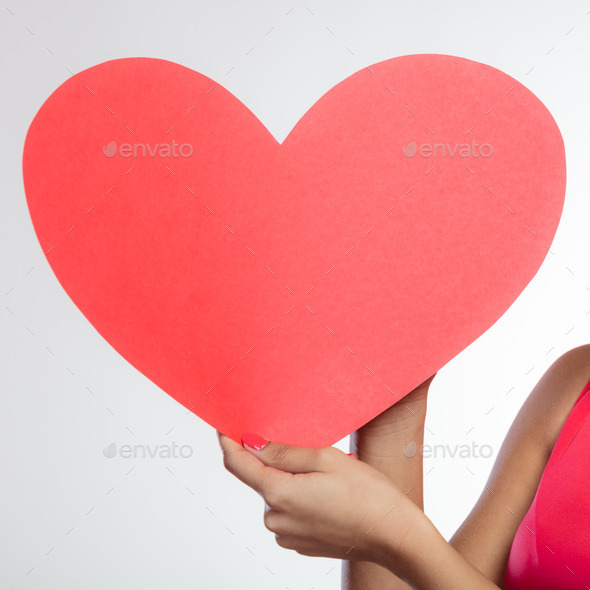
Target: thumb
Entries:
(290, 458)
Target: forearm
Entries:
(426, 561)
(386, 453)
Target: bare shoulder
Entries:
(486, 535)
(551, 400)
(539, 421)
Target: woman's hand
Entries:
(322, 502)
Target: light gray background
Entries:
(72, 518)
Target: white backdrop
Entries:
(74, 518)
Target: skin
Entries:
(369, 512)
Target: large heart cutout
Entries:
(294, 289)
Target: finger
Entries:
(290, 458)
(245, 466)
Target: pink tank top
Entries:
(551, 549)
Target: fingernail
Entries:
(353, 455)
(253, 441)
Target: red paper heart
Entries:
(295, 290)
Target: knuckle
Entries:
(270, 520)
(279, 494)
(279, 454)
(275, 496)
(327, 455)
(282, 541)
(228, 462)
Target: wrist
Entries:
(392, 442)
(401, 548)
(407, 414)
(423, 559)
